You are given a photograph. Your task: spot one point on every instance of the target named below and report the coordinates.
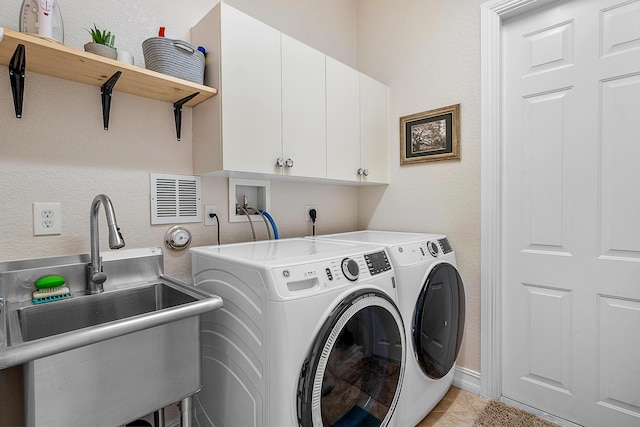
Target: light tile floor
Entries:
(458, 408)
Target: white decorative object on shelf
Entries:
(125, 57)
(42, 18)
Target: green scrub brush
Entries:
(50, 288)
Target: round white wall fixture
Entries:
(177, 238)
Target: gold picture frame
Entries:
(430, 136)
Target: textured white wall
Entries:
(428, 52)
(58, 151)
(327, 25)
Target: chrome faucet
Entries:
(95, 276)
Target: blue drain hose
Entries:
(272, 222)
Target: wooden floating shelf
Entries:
(54, 59)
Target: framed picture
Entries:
(430, 136)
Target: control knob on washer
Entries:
(350, 269)
(433, 248)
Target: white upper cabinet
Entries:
(343, 121)
(241, 129)
(304, 135)
(357, 148)
(251, 74)
(284, 108)
(373, 131)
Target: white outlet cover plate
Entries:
(209, 209)
(47, 219)
(307, 218)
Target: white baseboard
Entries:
(467, 379)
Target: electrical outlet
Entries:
(47, 219)
(210, 209)
(307, 218)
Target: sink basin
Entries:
(35, 331)
(49, 319)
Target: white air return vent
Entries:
(175, 199)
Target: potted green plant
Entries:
(102, 43)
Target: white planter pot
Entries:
(102, 50)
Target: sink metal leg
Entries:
(158, 418)
(186, 412)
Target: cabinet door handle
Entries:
(280, 162)
(288, 163)
(363, 172)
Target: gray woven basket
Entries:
(174, 58)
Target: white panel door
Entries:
(304, 123)
(571, 233)
(343, 121)
(374, 146)
(251, 93)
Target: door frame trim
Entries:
(493, 15)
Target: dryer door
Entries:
(438, 322)
(353, 374)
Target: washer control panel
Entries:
(446, 246)
(301, 279)
(412, 253)
(377, 262)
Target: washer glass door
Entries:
(439, 321)
(353, 374)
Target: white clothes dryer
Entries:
(432, 303)
(309, 335)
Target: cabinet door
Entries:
(374, 152)
(343, 121)
(304, 138)
(251, 93)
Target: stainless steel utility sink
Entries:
(111, 357)
(136, 349)
(45, 320)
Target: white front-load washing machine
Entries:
(432, 303)
(310, 334)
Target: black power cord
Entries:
(212, 215)
(313, 215)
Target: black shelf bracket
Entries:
(105, 91)
(16, 75)
(177, 112)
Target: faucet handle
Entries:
(98, 278)
(95, 280)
